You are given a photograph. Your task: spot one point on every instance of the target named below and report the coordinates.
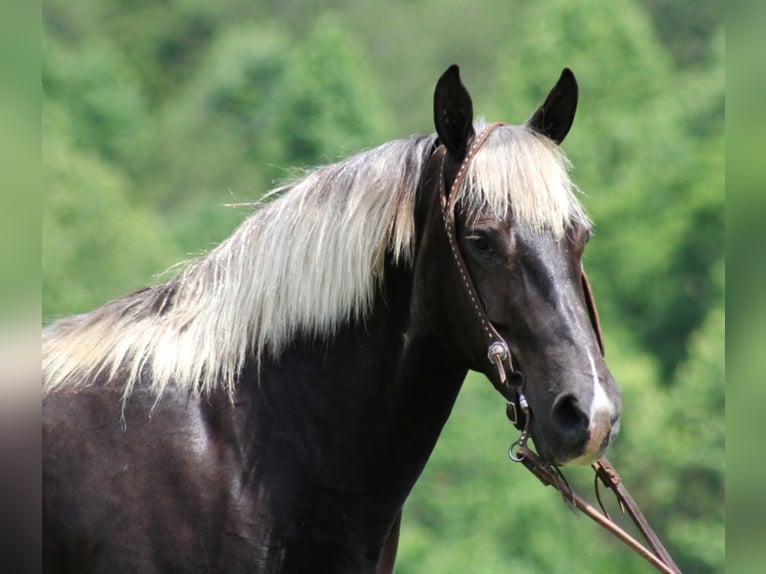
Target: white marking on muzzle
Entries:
(601, 404)
(600, 415)
(601, 412)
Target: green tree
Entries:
(103, 99)
(220, 132)
(695, 453)
(97, 241)
(331, 104)
(262, 102)
(687, 28)
(161, 42)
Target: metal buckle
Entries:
(497, 353)
(514, 450)
(511, 412)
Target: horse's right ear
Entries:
(453, 113)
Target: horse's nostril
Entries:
(569, 419)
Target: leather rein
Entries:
(510, 383)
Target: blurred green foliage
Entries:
(746, 282)
(19, 161)
(97, 242)
(157, 115)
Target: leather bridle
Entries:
(510, 383)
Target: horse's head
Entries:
(521, 233)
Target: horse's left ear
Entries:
(555, 116)
(453, 113)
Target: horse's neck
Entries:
(382, 385)
(353, 420)
(371, 388)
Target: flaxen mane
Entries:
(305, 263)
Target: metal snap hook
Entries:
(514, 451)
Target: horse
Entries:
(271, 406)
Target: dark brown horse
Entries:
(271, 407)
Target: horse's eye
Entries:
(480, 242)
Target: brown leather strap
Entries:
(448, 203)
(550, 476)
(608, 475)
(592, 310)
(509, 380)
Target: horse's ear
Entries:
(555, 116)
(453, 113)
